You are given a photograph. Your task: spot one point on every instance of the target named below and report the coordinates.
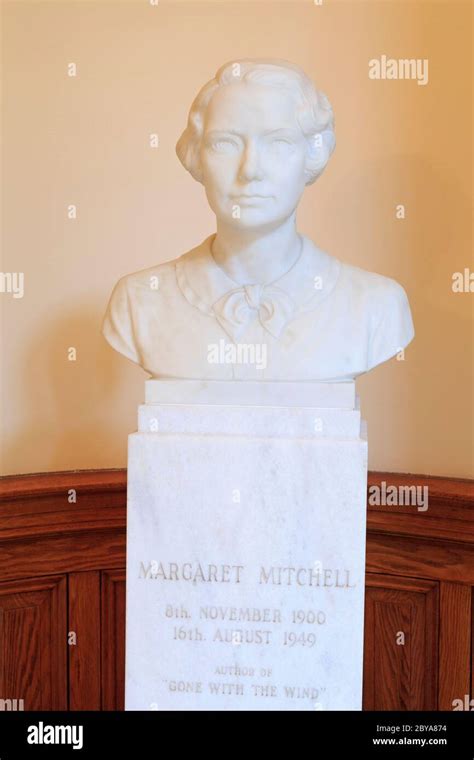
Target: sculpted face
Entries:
(253, 155)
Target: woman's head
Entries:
(256, 135)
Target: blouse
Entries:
(322, 320)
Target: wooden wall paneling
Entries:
(113, 639)
(33, 626)
(448, 516)
(84, 641)
(42, 532)
(400, 676)
(66, 553)
(472, 646)
(417, 561)
(420, 557)
(455, 644)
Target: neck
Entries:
(248, 257)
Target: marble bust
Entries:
(257, 299)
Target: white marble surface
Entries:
(270, 421)
(257, 289)
(214, 522)
(258, 393)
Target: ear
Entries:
(188, 150)
(320, 147)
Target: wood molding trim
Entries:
(76, 521)
(29, 503)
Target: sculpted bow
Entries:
(236, 309)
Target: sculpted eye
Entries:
(224, 146)
(281, 146)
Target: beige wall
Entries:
(84, 141)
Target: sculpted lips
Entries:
(251, 198)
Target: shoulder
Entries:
(133, 296)
(380, 304)
(370, 284)
(142, 282)
(376, 294)
(163, 278)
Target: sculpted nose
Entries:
(250, 167)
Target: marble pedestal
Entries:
(246, 547)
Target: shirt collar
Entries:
(309, 281)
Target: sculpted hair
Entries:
(314, 112)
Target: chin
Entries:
(256, 224)
(255, 217)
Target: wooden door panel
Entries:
(455, 644)
(33, 631)
(113, 639)
(84, 646)
(401, 643)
